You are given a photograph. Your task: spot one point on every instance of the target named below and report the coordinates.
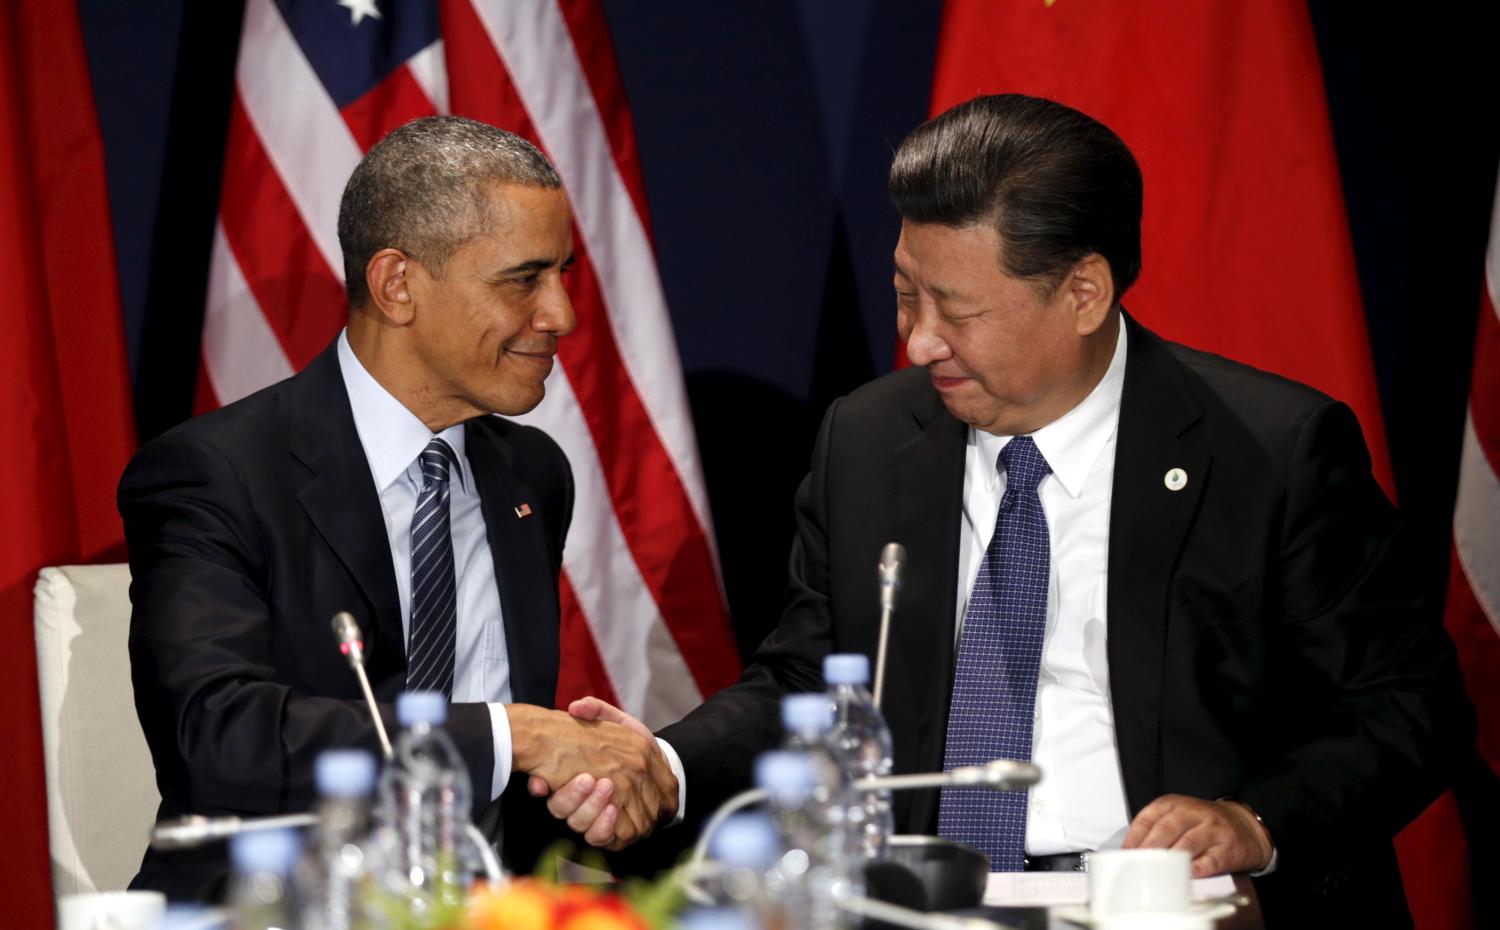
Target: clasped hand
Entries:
(600, 769)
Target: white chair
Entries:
(101, 786)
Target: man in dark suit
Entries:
(376, 481)
(1167, 578)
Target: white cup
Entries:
(112, 910)
(1157, 922)
(1139, 881)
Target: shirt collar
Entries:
(393, 436)
(1071, 443)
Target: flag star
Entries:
(359, 9)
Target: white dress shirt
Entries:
(1080, 802)
(393, 440)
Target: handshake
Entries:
(600, 769)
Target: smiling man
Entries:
(377, 481)
(1167, 578)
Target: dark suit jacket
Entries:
(248, 528)
(1265, 639)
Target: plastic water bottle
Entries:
(741, 851)
(337, 864)
(815, 869)
(261, 895)
(861, 744)
(808, 719)
(718, 918)
(425, 800)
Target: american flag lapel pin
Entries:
(523, 511)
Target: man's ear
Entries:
(390, 292)
(1090, 291)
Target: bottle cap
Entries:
(789, 777)
(275, 850)
(747, 841)
(716, 918)
(344, 773)
(846, 668)
(806, 713)
(429, 707)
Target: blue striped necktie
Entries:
(434, 616)
(999, 657)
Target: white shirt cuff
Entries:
(676, 765)
(1270, 866)
(500, 728)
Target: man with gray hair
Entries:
(377, 481)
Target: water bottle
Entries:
(814, 870)
(261, 894)
(718, 918)
(808, 719)
(336, 865)
(741, 851)
(425, 800)
(861, 744)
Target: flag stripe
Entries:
(241, 353)
(1484, 392)
(596, 55)
(428, 69)
(397, 99)
(301, 297)
(544, 67)
(581, 671)
(1476, 517)
(302, 131)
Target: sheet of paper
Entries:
(1049, 889)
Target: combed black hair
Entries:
(1055, 183)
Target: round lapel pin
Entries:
(1175, 479)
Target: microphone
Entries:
(195, 829)
(892, 561)
(998, 775)
(353, 648)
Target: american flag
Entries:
(318, 82)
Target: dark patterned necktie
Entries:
(434, 617)
(999, 656)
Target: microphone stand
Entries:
(195, 830)
(999, 775)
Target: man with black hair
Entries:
(1167, 578)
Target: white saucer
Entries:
(1081, 915)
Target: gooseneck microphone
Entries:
(999, 775)
(353, 648)
(892, 561)
(195, 830)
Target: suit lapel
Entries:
(927, 482)
(528, 596)
(342, 502)
(1159, 431)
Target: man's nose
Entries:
(556, 313)
(925, 345)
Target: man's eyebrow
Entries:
(529, 267)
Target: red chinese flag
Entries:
(65, 413)
(1246, 242)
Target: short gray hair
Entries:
(423, 189)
